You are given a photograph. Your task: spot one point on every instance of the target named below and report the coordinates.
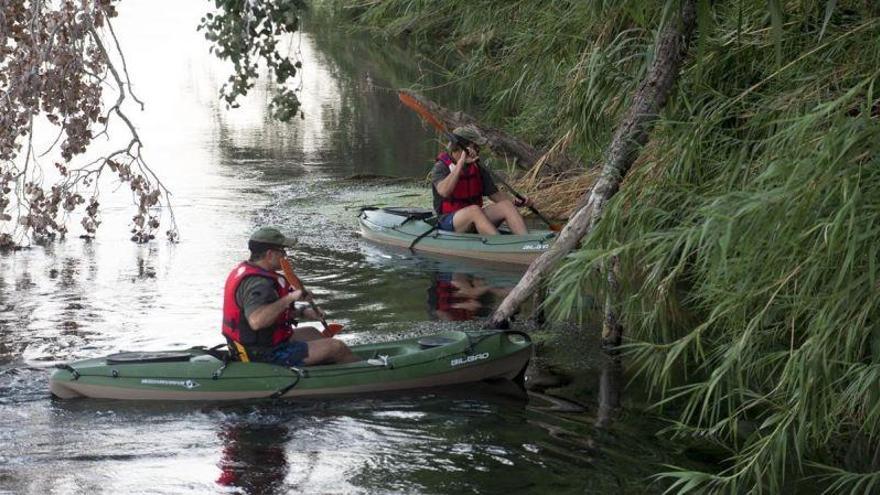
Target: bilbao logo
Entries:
(469, 359)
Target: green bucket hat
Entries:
(272, 236)
(469, 133)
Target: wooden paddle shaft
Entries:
(297, 284)
(518, 195)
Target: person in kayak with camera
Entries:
(459, 184)
(259, 314)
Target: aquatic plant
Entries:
(746, 232)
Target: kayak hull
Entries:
(406, 364)
(388, 226)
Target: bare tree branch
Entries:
(124, 65)
(58, 71)
(524, 155)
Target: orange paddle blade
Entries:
(420, 109)
(332, 329)
(291, 277)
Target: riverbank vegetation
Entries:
(747, 230)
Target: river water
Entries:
(231, 171)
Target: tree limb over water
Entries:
(630, 136)
(54, 67)
(511, 149)
(57, 59)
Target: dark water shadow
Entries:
(462, 296)
(253, 458)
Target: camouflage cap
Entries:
(469, 133)
(273, 236)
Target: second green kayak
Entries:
(412, 228)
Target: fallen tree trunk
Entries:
(522, 154)
(632, 133)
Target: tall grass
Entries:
(540, 69)
(747, 232)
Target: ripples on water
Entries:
(487, 439)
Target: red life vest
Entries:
(247, 446)
(233, 315)
(443, 297)
(468, 190)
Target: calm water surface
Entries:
(231, 171)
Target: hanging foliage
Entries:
(55, 63)
(248, 33)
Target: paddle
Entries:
(553, 226)
(426, 114)
(294, 281)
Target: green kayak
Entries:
(200, 374)
(412, 228)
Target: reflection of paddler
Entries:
(253, 458)
(459, 296)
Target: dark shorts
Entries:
(289, 354)
(445, 222)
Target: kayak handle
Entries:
(280, 392)
(71, 369)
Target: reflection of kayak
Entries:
(401, 226)
(200, 375)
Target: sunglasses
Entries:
(281, 251)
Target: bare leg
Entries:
(506, 212)
(306, 334)
(473, 216)
(329, 351)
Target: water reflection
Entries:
(610, 392)
(460, 296)
(253, 457)
(602, 384)
(452, 290)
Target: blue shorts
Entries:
(445, 222)
(289, 354)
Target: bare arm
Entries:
(500, 196)
(265, 315)
(447, 185)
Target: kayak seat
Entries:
(388, 351)
(148, 357)
(410, 212)
(435, 341)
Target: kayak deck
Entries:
(198, 375)
(402, 227)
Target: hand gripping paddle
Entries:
(329, 329)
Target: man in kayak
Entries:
(259, 313)
(459, 184)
